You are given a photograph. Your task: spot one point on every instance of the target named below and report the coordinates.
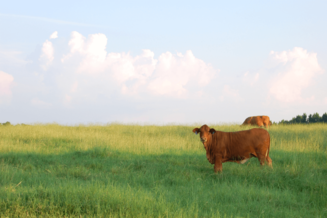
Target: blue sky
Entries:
(161, 62)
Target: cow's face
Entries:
(205, 134)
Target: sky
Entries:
(161, 62)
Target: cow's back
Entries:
(247, 121)
(242, 142)
(257, 120)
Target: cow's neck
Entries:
(209, 143)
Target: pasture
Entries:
(156, 171)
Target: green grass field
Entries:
(156, 171)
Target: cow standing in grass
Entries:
(258, 121)
(236, 147)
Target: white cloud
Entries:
(171, 75)
(54, 35)
(174, 72)
(46, 57)
(6, 82)
(295, 71)
(124, 67)
(90, 83)
(92, 52)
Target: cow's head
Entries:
(205, 134)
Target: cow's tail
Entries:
(268, 159)
(267, 153)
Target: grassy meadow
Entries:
(156, 171)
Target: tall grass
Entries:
(156, 171)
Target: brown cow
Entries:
(236, 147)
(258, 121)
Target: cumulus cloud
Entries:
(54, 35)
(295, 71)
(84, 75)
(170, 75)
(46, 57)
(108, 86)
(91, 50)
(124, 67)
(174, 72)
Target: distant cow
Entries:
(258, 121)
(236, 147)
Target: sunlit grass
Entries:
(156, 171)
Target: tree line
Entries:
(312, 118)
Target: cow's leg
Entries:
(262, 159)
(269, 161)
(218, 165)
(265, 124)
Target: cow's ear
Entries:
(212, 131)
(196, 130)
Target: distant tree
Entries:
(324, 118)
(284, 122)
(281, 122)
(315, 118)
(297, 119)
(312, 118)
(6, 123)
(304, 118)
